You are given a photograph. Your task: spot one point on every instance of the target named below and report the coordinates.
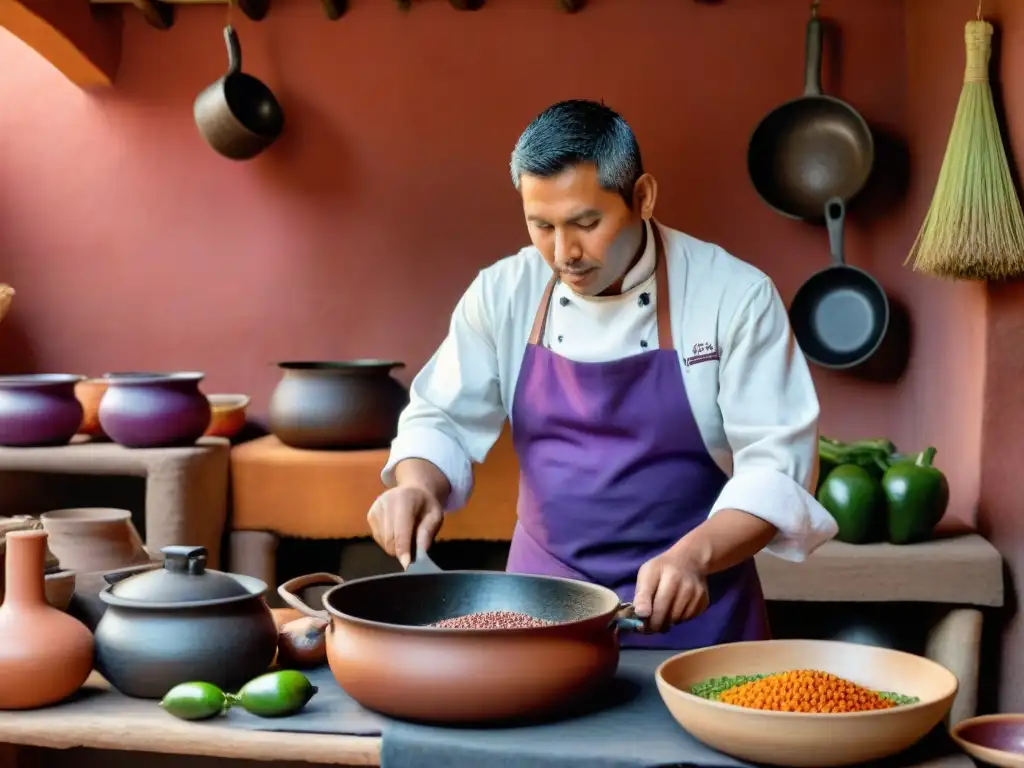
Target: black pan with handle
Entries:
(812, 148)
(840, 316)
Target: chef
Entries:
(663, 416)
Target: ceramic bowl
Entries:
(60, 586)
(89, 393)
(227, 415)
(805, 740)
(992, 739)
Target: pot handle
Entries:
(625, 619)
(835, 220)
(288, 591)
(234, 50)
(113, 577)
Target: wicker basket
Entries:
(6, 297)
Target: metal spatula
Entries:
(423, 564)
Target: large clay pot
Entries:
(337, 405)
(45, 655)
(89, 393)
(39, 409)
(94, 539)
(154, 410)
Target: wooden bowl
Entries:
(806, 740)
(227, 415)
(992, 739)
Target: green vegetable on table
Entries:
(195, 701)
(275, 694)
(855, 499)
(917, 495)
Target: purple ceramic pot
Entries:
(39, 409)
(154, 410)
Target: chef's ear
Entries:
(645, 194)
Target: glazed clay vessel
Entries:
(45, 655)
(94, 538)
(154, 410)
(39, 409)
(181, 623)
(337, 405)
(89, 393)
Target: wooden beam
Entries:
(157, 11)
(82, 42)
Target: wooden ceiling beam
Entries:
(83, 42)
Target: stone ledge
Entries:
(957, 568)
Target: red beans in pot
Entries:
(492, 620)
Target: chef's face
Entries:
(589, 235)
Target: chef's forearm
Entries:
(422, 474)
(725, 539)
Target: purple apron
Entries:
(614, 471)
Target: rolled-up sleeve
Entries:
(770, 417)
(455, 410)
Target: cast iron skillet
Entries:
(812, 148)
(840, 316)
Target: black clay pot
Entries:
(337, 405)
(181, 623)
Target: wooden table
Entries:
(104, 721)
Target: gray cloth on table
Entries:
(628, 728)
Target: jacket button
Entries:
(560, 339)
(564, 301)
(643, 344)
(644, 300)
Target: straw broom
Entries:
(974, 229)
(6, 297)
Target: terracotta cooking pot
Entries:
(94, 538)
(227, 415)
(384, 655)
(89, 393)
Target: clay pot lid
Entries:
(183, 580)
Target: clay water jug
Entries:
(45, 655)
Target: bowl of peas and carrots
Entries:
(806, 703)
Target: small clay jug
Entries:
(45, 655)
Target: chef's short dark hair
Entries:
(576, 132)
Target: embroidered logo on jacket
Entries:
(703, 352)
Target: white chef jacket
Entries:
(746, 380)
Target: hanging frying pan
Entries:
(840, 316)
(238, 115)
(812, 148)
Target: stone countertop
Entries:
(957, 567)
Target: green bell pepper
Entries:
(916, 496)
(872, 455)
(855, 499)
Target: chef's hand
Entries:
(670, 588)
(403, 515)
